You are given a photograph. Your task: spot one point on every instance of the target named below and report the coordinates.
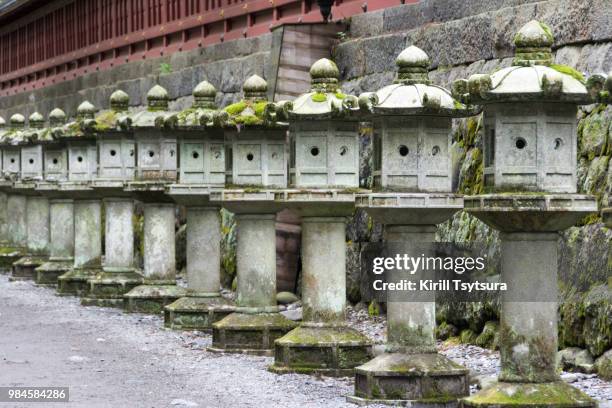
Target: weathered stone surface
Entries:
(593, 133)
(575, 359)
(603, 365)
(285, 298)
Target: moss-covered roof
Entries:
(201, 114)
(412, 92)
(532, 76)
(251, 110)
(325, 100)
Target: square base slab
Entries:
(75, 281)
(251, 333)
(332, 351)
(48, 273)
(402, 403)
(107, 288)
(196, 313)
(150, 298)
(412, 378)
(24, 268)
(542, 395)
(8, 256)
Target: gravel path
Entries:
(112, 359)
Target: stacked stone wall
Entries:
(468, 37)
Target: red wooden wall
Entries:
(65, 39)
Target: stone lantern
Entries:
(61, 205)
(105, 284)
(12, 209)
(257, 156)
(202, 168)
(530, 171)
(324, 171)
(412, 120)
(156, 167)
(36, 206)
(82, 149)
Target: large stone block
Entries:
(381, 52)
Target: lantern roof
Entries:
(111, 120)
(412, 92)
(201, 113)
(532, 77)
(323, 101)
(154, 116)
(251, 110)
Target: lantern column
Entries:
(324, 170)
(258, 147)
(530, 159)
(15, 246)
(37, 207)
(156, 167)
(202, 169)
(412, 127)
(61, 204)
(107, 283)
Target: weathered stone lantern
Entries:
(11, 155)
(412, 120)
(156, 167)
(257, 158)
(12, 208)
(61, 226)
(202, 168)
(530, 153)
(106, 284)
(325, 174)
(82, 149)
(36, 206)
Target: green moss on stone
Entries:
(318, 97)
(566, 69)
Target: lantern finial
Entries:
(324, 75)
(157, 98)
(256, 88)
(37, 121)
(86, 111)
(57, 117)
(119, 101)
(533, 45)
(204, 95)
(413, 64)
(17, 120)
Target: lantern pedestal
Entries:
(414, 380)
(12, 247)
(197, 311)
(118, 275)
(159, 287)
(203, 304)
(37, 231)
(61, 243)
(88, 249)
(323, 343)
(256, 324)
(529, 226)
(410, 372)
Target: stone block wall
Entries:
(225, 65)
(467, 37)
